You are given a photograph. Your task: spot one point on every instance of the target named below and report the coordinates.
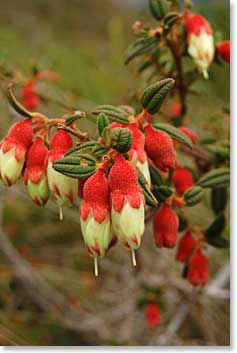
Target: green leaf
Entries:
(102, 122)
(95, 148)
(140, 46)
(121, 139)
(107, 135)
(83, 147)
(155, 94)
(79, 166)
(162, 192)
(216, 228)
(149, 197)
(158, 8)
(218, 242)
(193, 195)
(169, 21)
(219, 199)
(215, 178)
(174, 133)
(156, 178)
(113, 113)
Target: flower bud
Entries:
(13, 149)
(166, 225)
(127, 203)
(176, 109)
(95, 214)
(153, 315)
(198, 269)
(30, 98)
(182, 179)
(186, 247)
(63, 188)
(137, 154)
(160, 148)
(200, 41)
(35, 176)
(223, 49)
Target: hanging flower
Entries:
(35, 176)
(200, 42)
(63, 188)
(127, 203)
(182, 179)
(166, 225)
(30, 97)
(186, 247)
(198, 269)
(95, 214)
(153, 314)
(13, 149)
(223, 49)
(160, 148)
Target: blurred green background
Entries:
(84, 41)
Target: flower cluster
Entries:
(132, 166)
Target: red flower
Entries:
(35, 175)
(153, 314)
(182, 179)
(186, 247)
(166, 224)
(127, 203)
(198, 269)
(13, 149)
(223, 49)
(195, 24)
(30, 97)
(137, 154)
(176, 109)
(63, 188)
(95, 214)
(160, 148)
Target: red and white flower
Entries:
(63, 188)
(127, 203)
(35, 175)
(95, 214)
(13, 150)
(200, 41)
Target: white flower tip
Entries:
(134, 258)
(96, 266)
(205, 74)
(60, 213)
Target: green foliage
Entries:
(193, 195)
(113, 113)
(155, 94)
(158, 8)
(215, 178)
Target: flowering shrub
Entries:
(134, 166)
